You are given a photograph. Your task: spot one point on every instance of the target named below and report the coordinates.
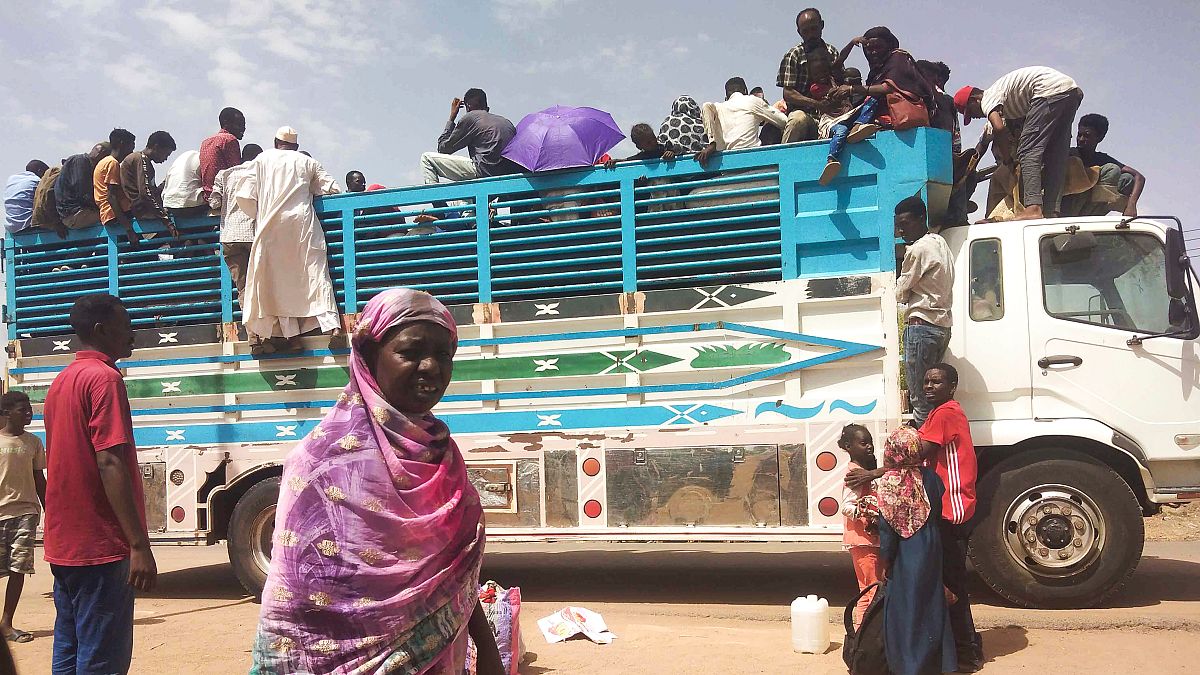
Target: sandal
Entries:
(861, 132)
(19, 636)
(832, 169)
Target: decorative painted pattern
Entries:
(465, 370)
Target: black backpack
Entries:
(863, 650)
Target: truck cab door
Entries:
(1089, 293)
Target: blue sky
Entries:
(368, 88)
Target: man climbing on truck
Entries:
(925, 285)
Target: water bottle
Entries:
(810, 625)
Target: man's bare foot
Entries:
(1030, 213)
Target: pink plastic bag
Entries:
(503, 610)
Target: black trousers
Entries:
(954, 576)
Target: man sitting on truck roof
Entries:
(795, 76)
(484, 135)
(1047, 100)
(106, 185)
(733, 123)
(1119, 186)
(74, 196)
(924, 286)
(137, 180)
(18, 196)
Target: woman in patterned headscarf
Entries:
(683, 130)
(379, 533)
(916, 616)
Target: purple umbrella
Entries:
(562, 137)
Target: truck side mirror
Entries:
(1177, 264)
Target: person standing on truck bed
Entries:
(221, 150)
(95, 532)
(237, 226)
(288, 288)
(925, 287)
(483, 133)
(1048, 101)
(795, 77)
(74, 196)
(379, 532)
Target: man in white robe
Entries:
(288, 288)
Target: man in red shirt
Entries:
(221, 150)
(95, 531)
(946, 446)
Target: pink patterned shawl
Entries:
(379, 533)
(902, 499)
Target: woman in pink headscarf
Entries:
(379, 533)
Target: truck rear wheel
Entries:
(251, 528)
(1057, 530)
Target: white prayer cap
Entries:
(286, 134)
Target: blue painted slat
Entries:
(839, 229)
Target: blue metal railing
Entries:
(751, 215)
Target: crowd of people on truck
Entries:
(382, 469)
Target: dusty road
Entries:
(708, 610)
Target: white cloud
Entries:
(518, 14)
(77, 7)
(138, 76)
(50, 125)
(437, 47)
(186, 26)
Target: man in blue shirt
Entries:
(18, 196)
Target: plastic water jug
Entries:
(810, 625)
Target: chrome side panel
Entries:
(697, 486)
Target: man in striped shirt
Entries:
(1047, 100)
(946, 447)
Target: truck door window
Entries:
(1120, 282)
(987, 281)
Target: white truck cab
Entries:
(1080, 372)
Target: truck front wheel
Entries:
(251, 528)
(1057, 529)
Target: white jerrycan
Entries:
(810, 625)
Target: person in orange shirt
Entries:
(111, 199)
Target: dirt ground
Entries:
(1181, 524)
(713, 609)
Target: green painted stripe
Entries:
(466, 370)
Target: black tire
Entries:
(1098, 574)
(251, 528)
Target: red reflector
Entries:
(1189, 495)
(177, 514)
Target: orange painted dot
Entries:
(828, 507)
(826, 461)
(592, 508)
(591, 467)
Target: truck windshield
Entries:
(1119, 283)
